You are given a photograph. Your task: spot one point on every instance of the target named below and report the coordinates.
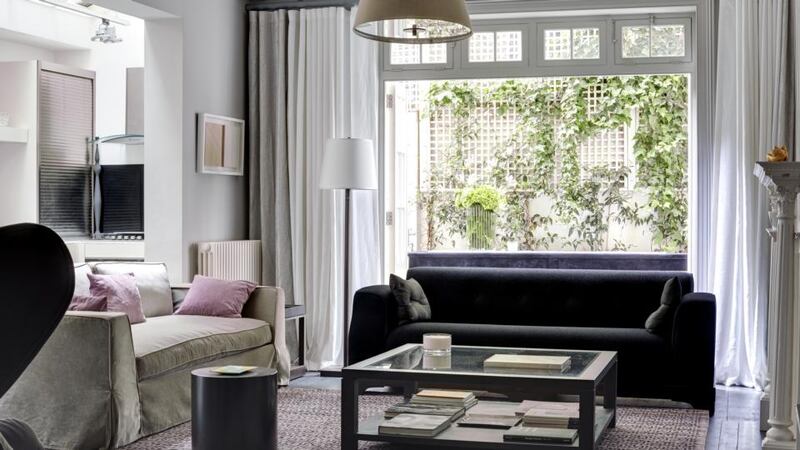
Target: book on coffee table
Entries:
(441, 397)
(530, 362)
(550, 414)
(543, 435)
(423, 425)
(453, 412)
(491, 414)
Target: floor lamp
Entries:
(347, 164)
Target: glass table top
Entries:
(470, 360)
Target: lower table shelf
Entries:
(466, 437)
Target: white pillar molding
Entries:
(782, 181)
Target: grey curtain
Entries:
(269, 172)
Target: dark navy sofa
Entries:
(558, 308)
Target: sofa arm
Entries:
(81, 390)
(694, 342)
(374, 317)
(268, 303)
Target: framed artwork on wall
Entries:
(220, 145)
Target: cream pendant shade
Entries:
(413, 21)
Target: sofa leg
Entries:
(705, 401)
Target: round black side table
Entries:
(235, 411)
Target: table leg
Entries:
(610, 393)
(409, 389)
(349, 413)
(586, 425)
(301, 340)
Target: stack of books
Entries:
(486, 414)
(420, 425)
(437, 397)
(452, 412)
(542, 435)
(549, 414)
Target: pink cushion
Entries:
(88, 303)
(120, 292)
(214, 297)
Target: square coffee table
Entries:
(408, 366)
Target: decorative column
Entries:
(782, 180)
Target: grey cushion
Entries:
(16, 435)
(167, 343)
(151, 279)
(660, 322)
(81, 280)
(412, 304)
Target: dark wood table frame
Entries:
(298, 313)
(600, 373)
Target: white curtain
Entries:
(753, 114)
(325, 86)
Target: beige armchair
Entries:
(101, 383)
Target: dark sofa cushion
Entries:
(645, 359)
(412, 305)
(662, 318)
(546, 297)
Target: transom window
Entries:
(495, 46)
(571, 43)
(403, 54)
(655, 40)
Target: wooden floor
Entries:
(733, 427)
(736, 421)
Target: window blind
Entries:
(66, 121)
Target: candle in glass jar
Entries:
(436, 342)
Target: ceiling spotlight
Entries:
(106, 33)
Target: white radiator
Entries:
(230, 260)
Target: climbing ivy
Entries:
(541, 158)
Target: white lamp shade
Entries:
(348, 164)
(413, 21)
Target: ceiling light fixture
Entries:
(413, 21)
(106, 33)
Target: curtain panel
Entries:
(311, 79)
(754, 112)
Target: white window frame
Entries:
(388, 66)
(495, 28)
(571, 25)
(654, 20)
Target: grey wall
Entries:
(183, 207)
(214, 81)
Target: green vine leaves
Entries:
(541, 157)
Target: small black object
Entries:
(235, 411)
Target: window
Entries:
(571, 43)
(66, 120)
(410, 54)
(495, 46)
(577, 43)
(654, 40)
(490, 45)
(566, 145)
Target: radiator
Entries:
(230, 260)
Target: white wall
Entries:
(19, 197)
(163, 119)
(15, 51)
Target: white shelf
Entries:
(14, 135)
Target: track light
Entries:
(106, 33)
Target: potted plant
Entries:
(481, 203)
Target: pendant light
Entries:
(413, 21)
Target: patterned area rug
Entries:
(308, 419)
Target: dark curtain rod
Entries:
(274, 5)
